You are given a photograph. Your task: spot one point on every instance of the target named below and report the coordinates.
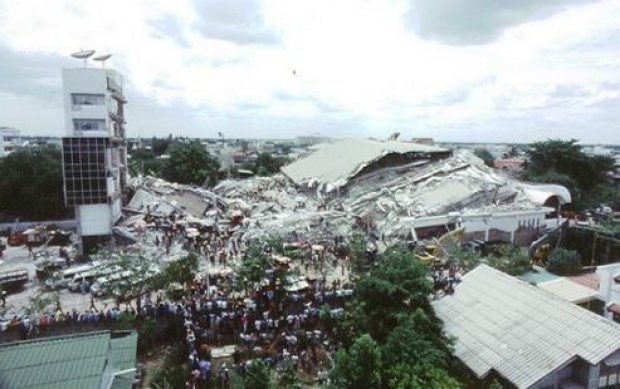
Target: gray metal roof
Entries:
(519, 330)
(123, 349)
(124, 380)
(569, 290)
(338, 162)
(75, 361)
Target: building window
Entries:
(85, 170)
(88, 125)
(81, 99)
(609, 376)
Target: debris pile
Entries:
(389, 200)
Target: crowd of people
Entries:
(278, 323)
(277, 326)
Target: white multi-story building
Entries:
(94, 149)
(8, 136)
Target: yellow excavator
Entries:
(437, 249)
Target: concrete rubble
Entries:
(388, 201)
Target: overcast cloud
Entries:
(454, 70)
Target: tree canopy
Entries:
(266, 164)
(563, 162)
(31, 185)
(258, 375)
(391, 334)
(485, 155)
(360, 365)
(398, 284)
(190, 163)
(564, 262)
(143, 161)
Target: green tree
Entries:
(396, 286)
(258, 375)
(417, 355)
(485, 155)
(143, 161)
(276, 243)
(131, 276)
(253, 269)
(564, 262)
(267, 164)
(174, 371)
(31, 185)
(289, 378)
(160, 146)
(512, 260)
(183, 271)
(360, 366)
(191, 163)
(43, 300)
(390, 333)
(466, 259)
(565, 163)
(358, 260)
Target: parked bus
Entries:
(64, 277)
(90, 276)
(13, 280)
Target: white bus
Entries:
(91, 276)
(64, 277)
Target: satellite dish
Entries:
(102, 59)
(83, 54)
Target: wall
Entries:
(83, 81)
(95, 219)
(608, 289)
(518, 227)
(22, 226)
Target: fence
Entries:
(163, 328)
(70, 224)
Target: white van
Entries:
(78, 279)
(64, 277)
(101, 284)
(121, 280)
(91, 276)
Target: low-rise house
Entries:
(97, 360)
(528, 336)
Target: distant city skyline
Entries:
(455, 71)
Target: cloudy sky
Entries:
(454, 70)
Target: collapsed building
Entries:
(392, 190)
(334, 167)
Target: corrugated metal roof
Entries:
(519, 330)
(123, 381)
(74, 361)
(123, 349)
(569, 290)
(336, 163)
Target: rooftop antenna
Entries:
(102, 59)
(83, 55)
